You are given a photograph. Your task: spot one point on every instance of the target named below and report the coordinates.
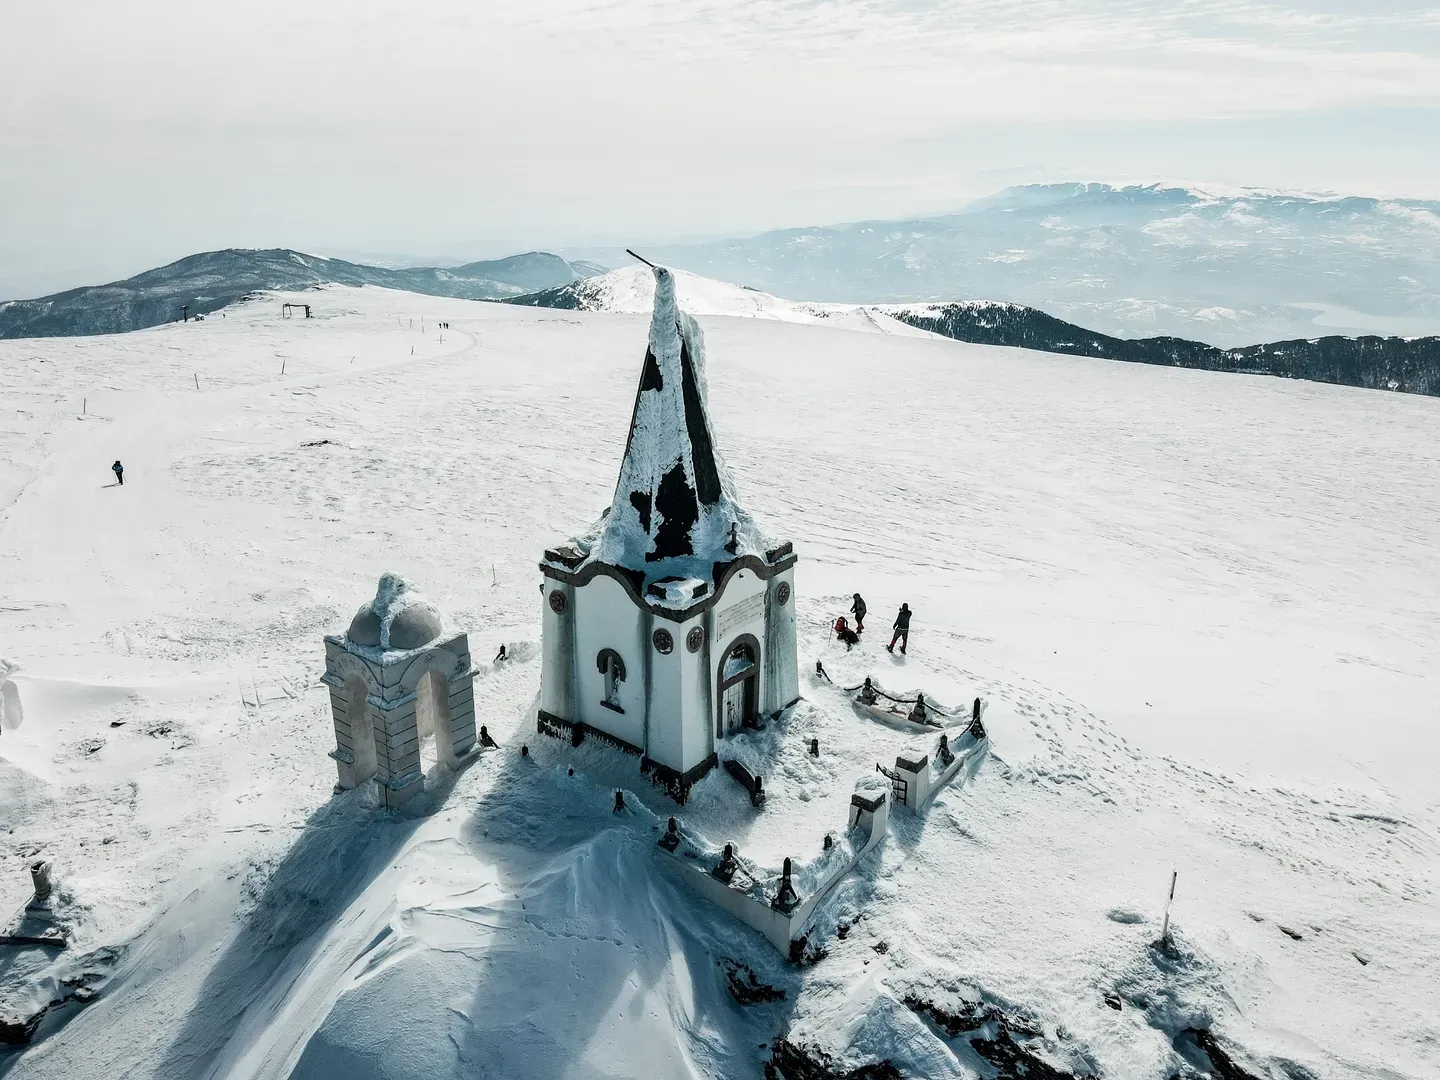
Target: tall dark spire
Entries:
(674, 499)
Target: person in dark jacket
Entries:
(859, 609)
(902, 629)
(119, 471)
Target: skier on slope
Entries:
(119, 471)
(902, 629)
(859, 609)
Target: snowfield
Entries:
(1204, 609)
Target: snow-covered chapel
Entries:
(669, 626)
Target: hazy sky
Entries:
(133, 133)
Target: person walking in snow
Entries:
(859, 610)
(902, 630)
(119, 471)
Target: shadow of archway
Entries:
(580, 957)
(343, 846)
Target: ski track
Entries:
(1201, 607)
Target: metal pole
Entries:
(642, 258)
(1165, 926)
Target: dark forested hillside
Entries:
(1411, 365)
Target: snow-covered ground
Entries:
(1204, 608)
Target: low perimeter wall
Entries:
(918, 780)
(750, 895)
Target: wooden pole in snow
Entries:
(1165, 926)
(197, 380)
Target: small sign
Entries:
(738, 615)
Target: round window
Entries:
(695, 638)
(664, 643)
(782, 593)
(557, 602)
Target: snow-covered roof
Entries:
(675, 518)
(398, 619)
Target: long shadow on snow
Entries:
(587, 960)
(344, 845)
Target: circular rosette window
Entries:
(664, 643)
(557, 602)
(695, 638)
(782, 593)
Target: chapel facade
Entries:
(669, 626)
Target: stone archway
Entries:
(432, 721)
(397, 684)
(363, 761)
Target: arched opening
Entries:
(432, 719)
(739, 687)
(612, 667)
(362, 731)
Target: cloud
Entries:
(354, 119)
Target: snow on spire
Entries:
(674, 503)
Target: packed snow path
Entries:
(1205, 608)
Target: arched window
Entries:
(613, 668)
(740, 659)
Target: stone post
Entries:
(40, 875)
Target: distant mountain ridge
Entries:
(1229, 267)
(1409, 365)
(214, 279)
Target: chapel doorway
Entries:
(739, 690)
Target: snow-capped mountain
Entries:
(1409, 365)
(1233, 268)
(631, 290)
(209, 281)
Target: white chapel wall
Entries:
(557, 637)
(782, 672)
(696, 717)
(739, 611)
(667, 700)
(606, 618)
